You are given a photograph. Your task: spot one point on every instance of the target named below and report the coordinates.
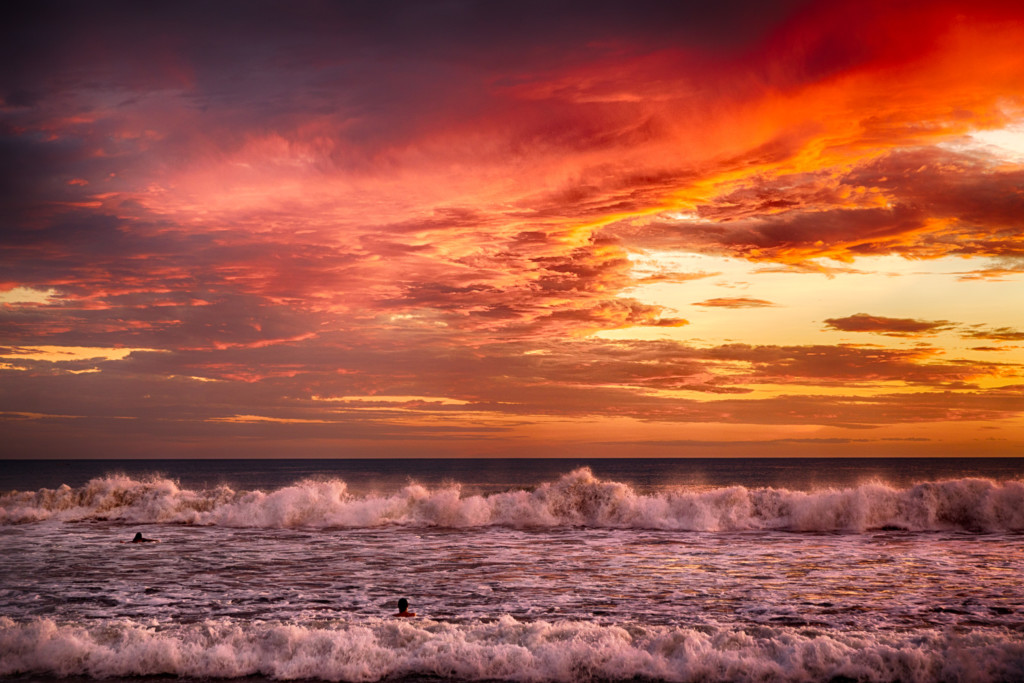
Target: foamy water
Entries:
(506, 650)
(578, 577)
(576, 499)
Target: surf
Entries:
(501, 649)
(575, 499)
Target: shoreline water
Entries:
(508, 650)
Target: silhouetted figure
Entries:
(403, 608)
(139, 539)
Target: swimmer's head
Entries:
(403, 604)
(138, 536)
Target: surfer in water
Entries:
(403, 608)
(139, 539)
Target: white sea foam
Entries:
(575, 499)
(504, 649)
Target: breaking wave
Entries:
(505, 649)
(575, 499)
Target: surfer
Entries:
(403, 608)
(139, 539)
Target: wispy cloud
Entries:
(735, 302)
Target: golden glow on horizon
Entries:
(9, 415)
(26, 295)
(438, 400)
(58, 354)
(256, 419)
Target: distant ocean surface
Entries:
(518, 570)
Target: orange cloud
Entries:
(1000, 333)
(897, 327)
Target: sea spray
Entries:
(576, 499)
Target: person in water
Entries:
(139, 539)
(403, 608)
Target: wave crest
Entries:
(502, 650)
(575, 499)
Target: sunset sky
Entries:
(577, 229)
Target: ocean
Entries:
(518, 570)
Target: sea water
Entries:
(522, 570)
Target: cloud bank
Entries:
(249, 212)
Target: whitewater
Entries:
(637, 572)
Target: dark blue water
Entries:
(491, 475)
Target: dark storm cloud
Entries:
(54, 29)
(364, 56)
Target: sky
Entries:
(512, 229)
